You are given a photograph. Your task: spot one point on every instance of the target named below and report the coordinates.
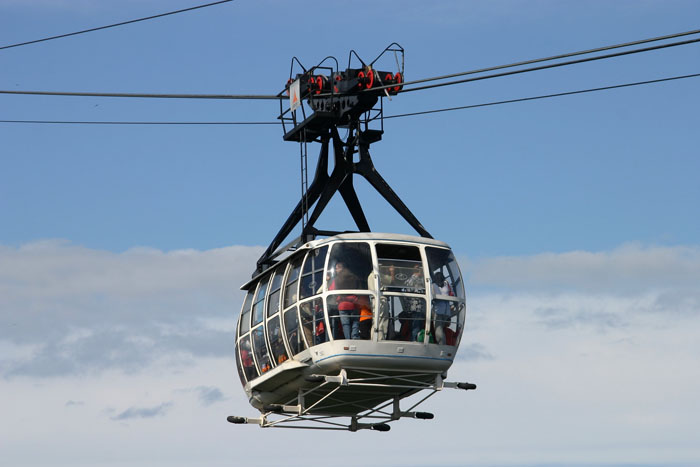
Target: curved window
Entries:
(400, 268)
(313, 322)
(442, 260)
(273, 301)
(312, 274)
(290, 287)
(239, 366)
(448, 309)
(244, 320)
(247, 359)
(349, 266)
(259, 301)
(279, 353)
(260, 350)
(291, 326)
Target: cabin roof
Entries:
(355, 236)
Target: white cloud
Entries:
(628, 269)
(144, 412)
(69, 309)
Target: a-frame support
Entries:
(324, 186)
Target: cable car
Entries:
(338, 327)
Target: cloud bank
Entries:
(66, 309)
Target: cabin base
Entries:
(325, 404)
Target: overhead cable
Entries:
(145, 96)
(425, 112)
(408, 83)
(93, 122)
(552, 65)
(115, 25)
(546, 96)
(554, 57)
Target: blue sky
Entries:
(582, 172)
(575, 218)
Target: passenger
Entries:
(306, 317)
(415, 282)
(320, 333)
(416, 308)
(278, 346)
(441, 308)
(319, 324)
(246, 359)
(417, 314)
(294, 342)
(347, 304)
(382, 328)
(333, 315)
(365, 317)
(406, 322)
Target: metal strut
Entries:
(303, 147)
(324, 186)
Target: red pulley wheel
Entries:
(399, 79)
(360, 79)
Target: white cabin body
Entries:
(385, 309)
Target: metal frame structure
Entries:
(299, 415)
(351, 104)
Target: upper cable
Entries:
(114, 25)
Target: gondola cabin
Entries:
(385, 311)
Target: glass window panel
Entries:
(291, 326)
(457, 324)
(349, 266)
(244, 321)
(448, 291)
(260, 350)
(259, 301)
(350, 316)
(401, 276)
(273, 301)
(247, 359)
(239, 365)
(313, 322)
(279, 352)
(290, 288)
(400, 268)
(277, 279)
(312, 274)
(441, 260)
(448, 324)
(403, 317)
